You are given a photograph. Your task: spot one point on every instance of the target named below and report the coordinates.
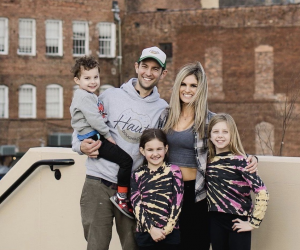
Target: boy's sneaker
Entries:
(123, 205)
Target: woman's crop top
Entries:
(181, 148)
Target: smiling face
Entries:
(149, 73)
(154, 152)
(188, 89)
(220, 137)
(89, 79)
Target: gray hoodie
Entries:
(128, 115)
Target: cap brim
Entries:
(155, 58)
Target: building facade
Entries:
(250, 55)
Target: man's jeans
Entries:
(98, 212)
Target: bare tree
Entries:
(285, 112)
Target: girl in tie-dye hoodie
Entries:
(156, 195)
(232, 215)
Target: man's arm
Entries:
(88, 147)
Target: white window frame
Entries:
(30, 36)
(107, 36)
(4, 36)
(52, 101)
(4, 102)
(32, 102)
(86, 37)
(54, 37)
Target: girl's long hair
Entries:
(199, 101)
(151, 134)
(235, 144)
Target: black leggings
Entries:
(222, 235)
(160, 247)
(114, 153)
(193, 221)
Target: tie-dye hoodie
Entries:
(156, 197)
(229, 186)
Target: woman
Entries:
(185, 122)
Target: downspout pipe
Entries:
(116, 11)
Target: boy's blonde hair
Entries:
(199, 101)
(235, 144)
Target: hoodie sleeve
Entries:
(177, 195)
(89, 108)
(139, 209)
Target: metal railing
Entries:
(29, 171)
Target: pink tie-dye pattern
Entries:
(233, 203)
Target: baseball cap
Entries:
(155, 53)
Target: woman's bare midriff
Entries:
(188, 174)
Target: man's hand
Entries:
(241, 226)
(157, 234)
(252, 164)
(90, 147)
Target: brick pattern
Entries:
(264, 72)
(42, 70)
(214, 73)
(223, 40)
(236, 32)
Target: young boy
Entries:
(89, 119)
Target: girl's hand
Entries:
(157, 234)
(241, 226)
(252, 164)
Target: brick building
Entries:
(250, 55)
(39, 41)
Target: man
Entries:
(130, 110)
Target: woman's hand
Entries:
(252, 164)
(157, 234)
(90, 147)
(241, 226)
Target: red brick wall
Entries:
(41, 70)
(237, 32)
(153, 5)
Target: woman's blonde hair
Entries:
(235, 144)
(199, 101)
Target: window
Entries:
(27, 101)
(167, 48)
(264, 72)
(54, 46)
(80, 38)
(54, 101)
(3, 36)
(26, 37)
(3, 101)
(107, 39)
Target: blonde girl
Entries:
(232, 216)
